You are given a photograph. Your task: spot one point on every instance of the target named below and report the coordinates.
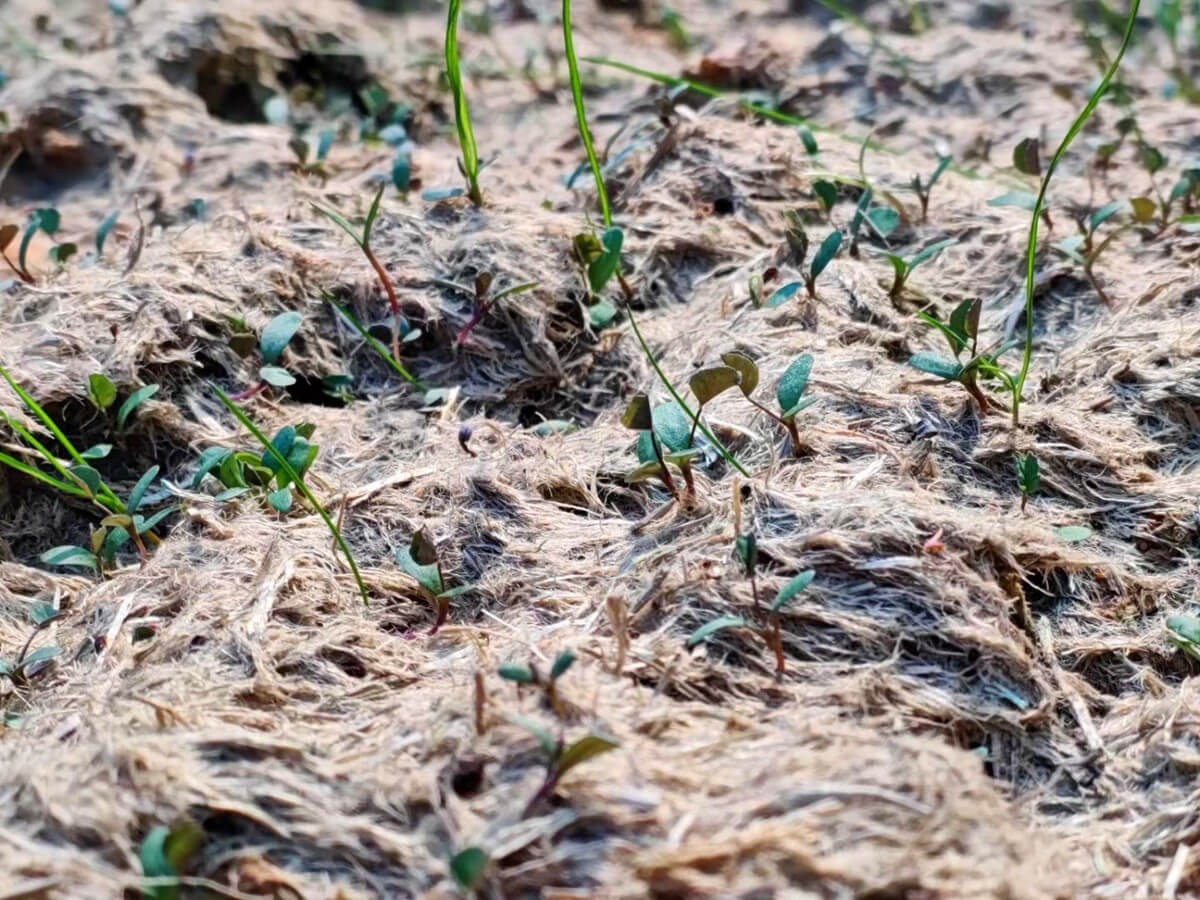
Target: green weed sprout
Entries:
(78, 478)
(1083, 248)
(410, 335)
(639, 416)
(902, 268)
(484, 301)
(46, 220)
(798, 244)
(421, 562)
(521, 673)
(923, 188)
(962, 333)
(240, 472)
(789, 393)
(611, 239)
(164, 854)
(468, 164)
(770, 632)
(26, 665)
(363, 239)
(1031, 244)
(103, 395)
(275, 337)
(103, 231)
(301, 148)
(561, 757)
(293, 477)
(1028, 477)
(468, 867)
(880, 219)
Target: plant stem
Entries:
(585, 134)
(462, 113)
(391, 295)
(1031, 247)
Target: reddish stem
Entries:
(480, 312)
(391, 295)
(249, 392)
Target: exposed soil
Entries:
(972, 706)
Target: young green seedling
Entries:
(409, 334)
(301, 148)
(164, 855)
(103, 394)
(638, 416)
(798, 250)
(483, 302)
(880, 219)
(902, 268)
(529, 674)
(274, 339)
(103, 231)
(561, 758)
(469, 868)
(293, 477)
(1083, 249)
(1028, 477)
(468, 163)
(28, 665)
(771, 633)
(788, 393)
(240, 472)
(923, 189)
(363, 239)
(962, 332)
(420, 561)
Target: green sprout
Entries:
(1083, 248)
(103, 395)
(26, 665)
(164, 853)
(273, 340)
(769, 633)
(409, 334)
(923, 188)
(241, 472)
(103, 231)
(421, 562)
(1031, 244)
(302, 149)
(962, 332)
(902, 268)
(561, 757)
(283, 464)
(468, 164)
(1184, 632)
(798, 250)
(522, 673)
(363, 239)
(469, 868)
(1028, 477)
(789, 393)
(639, 416)
(484, 301)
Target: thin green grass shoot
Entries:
(469, 162)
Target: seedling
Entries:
(529, 674)
(1083, 249)
(638, 416)
(241, 472)
(1184, 632)
(420, 560)
(103, 394)
(293, 477)
(164, 855)
(468, 163)
(1028, 477)
(301, 148)
(484, 302)
(274, 339)
(923, 189)
(770, 633)
(1031, 244)
(28, 665)
(561, 758)
(103, 231)
(77, 478)
(880, 219)
(363, 239)
(469, 868)
(789, 393)
(902, 268)
(962, 332)
(600, 259)
(798, 243)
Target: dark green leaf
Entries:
(132, 402)
(1104, 213)
(517, 672)
(41, 612)
(425, 575)
(89, 476)
(99, 451)
(883, 219)
(70, 556)
(209, 460)
(637, 414)
(39, 660)
(145, 525)
(1028, 477)
(468, 868)
(826, 252)
(101, 391)
(1027, 158)
(746, 548)
(601, 314)
(605, 265)
(931, 251)
(588, 747)
(709, 383)
(277, 334)
(562, 662)
(103, 231)
(276, 377)
(826, 192)
(810, 142)
(324, 143)
(783, 294)
(789, 591)
(299, 146)
(949, 369)
(60, 253)
(791, 386)
(402, 171)
(139, 489)
(281, 500)
(746, 368)
(708, 629)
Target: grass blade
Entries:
(287, 469)
(581, 115)
(377, 345)
(462, 113)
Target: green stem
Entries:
(462, 113)
(581, 114)
(1031, 247)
